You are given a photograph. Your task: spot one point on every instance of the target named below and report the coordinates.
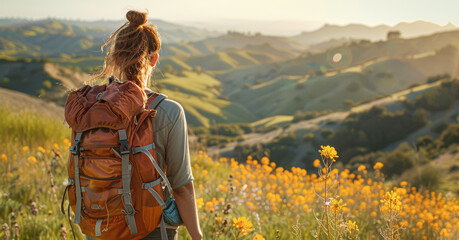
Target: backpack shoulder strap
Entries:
(157, 98)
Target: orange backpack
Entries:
(115, 184)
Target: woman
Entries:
(132, 55)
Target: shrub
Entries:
(450, 135)
(309, 138)
(426, 177)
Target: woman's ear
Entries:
(154, 59)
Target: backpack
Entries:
(115, 185)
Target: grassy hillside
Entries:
(21, 101)
(29, 127)
(200, 95)
(232, 40)
(39, 78)
(299, 89)
(354, 54)
(50, 37)
(427, 106)
(187, 57)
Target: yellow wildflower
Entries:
(316, 163)
(243, 224)
(373, 214)
(41, 149)
(264, 160)
(258, 237)
(378, 166)
(31, 159)
(336, 205)
(352, 227)
(391, 203)
(361, 168)
(199, 203)
(445, 233)
(205, 172)
(25, 148)
(4, 158)
(9, 174)
(328, 152)
(209, 207)
(403, 183)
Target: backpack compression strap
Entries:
(129, 210)
(75, 150)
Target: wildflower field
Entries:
(251, 200)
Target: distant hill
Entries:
(360, 31)
(171, 32)
(351, 54)
(225, 59)
(232, 40)
(53, 37)
(365, 71)
(40, 78)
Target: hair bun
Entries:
(136, 18)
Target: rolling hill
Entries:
(333, 120)
(53, 37)
(40, 78)
(366, 70)
(352, 54)
(282, 45)
(200, 96)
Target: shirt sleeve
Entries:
(177, 153)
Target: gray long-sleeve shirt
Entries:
(171, 140)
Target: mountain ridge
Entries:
(362, 31)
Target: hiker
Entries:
(111, 134)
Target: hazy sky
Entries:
(371, 12)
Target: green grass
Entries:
(29, 128)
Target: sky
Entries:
(341, 12)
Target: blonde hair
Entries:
(130, 50)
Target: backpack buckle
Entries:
(76, 148)
(124, 148)
(128, 209)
